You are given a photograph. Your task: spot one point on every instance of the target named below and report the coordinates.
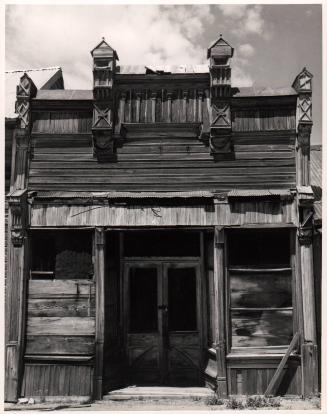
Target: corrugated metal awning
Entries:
(259, 193)
(121, 194)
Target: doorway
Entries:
(162, 320)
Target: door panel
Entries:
(184, 323)
(142, 286)
(163, 335)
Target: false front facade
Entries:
(160, 232)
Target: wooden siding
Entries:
(61, 122)
(187, 105)
(151, 163)
(251, 379)
(263, 119)
(256, 212)
(60, 328)
(57, 380)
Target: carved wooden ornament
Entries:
(220, 113)
(305, 108)
(102, 117)
(26, 90)
(17, 227)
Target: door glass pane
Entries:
(182, 299)
(143, 311)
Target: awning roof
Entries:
(122, 194)
(259, 193)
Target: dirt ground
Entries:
(163, 404)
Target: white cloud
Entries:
(244, 19)
(246, 50)
(39, 36)
(234, 11)
(240, 78)
(254, 22)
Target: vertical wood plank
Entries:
(169, 99)
(153, 106)
(99, 271)
(219, 325)
(309, 355)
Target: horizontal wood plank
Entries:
(61, 307)
(59, 345)
(60, 288)
(188, 172)
(61, 326)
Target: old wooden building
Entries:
(161, 232)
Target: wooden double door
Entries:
(163, 328)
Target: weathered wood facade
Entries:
(160, 232)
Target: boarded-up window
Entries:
(260, 288)
(62, 255)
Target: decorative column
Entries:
(305, 199)
(99, 269)
(220, 54)
(219, 311)
(18, 245)
(303, 86)
(104, 66)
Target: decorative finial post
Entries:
(104, 67)
(303, 86)
(220, 54)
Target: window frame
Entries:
(34, 232)
(263, 349)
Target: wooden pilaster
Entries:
(18, 245)
(218, 321)
(303, 85)
(309, 339)
(309, 347)
(15, 294)
(99, 270)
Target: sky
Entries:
(272, 42)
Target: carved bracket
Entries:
(306, 213)
(303, 138)
(104, 145)
(305, 231)
(17, 210)
(220, 141)
(304, 133)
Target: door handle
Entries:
(163, 307)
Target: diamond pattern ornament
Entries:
(220, 114)
(102, 117)
(22, 108)
(305, 108)
(26, 88)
